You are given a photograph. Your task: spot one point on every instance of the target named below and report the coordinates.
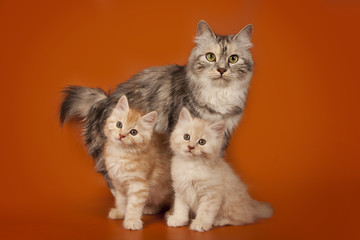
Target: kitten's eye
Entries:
(119, 125)
(133, 132)
(202, 141)
(187, 137)
(210, 57)
(233, 58)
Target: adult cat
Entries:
(212, 86)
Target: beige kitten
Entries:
(138, 163)
(204, 183)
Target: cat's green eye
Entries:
(187, 137)
(210, 57)
(202, 141)
(133, 132)
(119, 125)
(233, 58)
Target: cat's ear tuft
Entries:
(185, 115)
(244, 36)
(150, 119)
(123, 104)
(218, 127)
(204, 30)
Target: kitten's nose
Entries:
(190, 148)
(221, 70)
(121, 136)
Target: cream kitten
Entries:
(137, 161)
(204, 183)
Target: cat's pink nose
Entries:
(221, 70)
(190, 148)
(121, 136)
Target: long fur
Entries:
(204, 183)
(138, 165)
(198, 86)
(78, 101)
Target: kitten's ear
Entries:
(204, 30)
(218, 127)
(244, 36)
(149, 119)
(123, 104)
(185, 115)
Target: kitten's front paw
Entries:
(115, 214)
(200, 226)
(173, 221)
(133, 224)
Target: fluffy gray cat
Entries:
(212, 86)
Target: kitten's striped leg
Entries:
(205, 215)
(137, 195)
(180, 216)
(120, 203)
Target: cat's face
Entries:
(127, 127)
(221, 59)
(196, 138)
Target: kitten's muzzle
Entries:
(121, 137)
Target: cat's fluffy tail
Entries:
(78, 101)
(263, 209)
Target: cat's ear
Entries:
(218, 127)
(244, 36)
(123, 104)
(149, 119)
(204, 30)
(185, 115)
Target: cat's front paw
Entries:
(174, 221)
(133, 224)
(200, 226)
(115, 214)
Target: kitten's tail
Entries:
(263, 209)
(78, 101)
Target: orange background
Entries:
(297, 146)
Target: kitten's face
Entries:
(127, 127)
(196, 138)
(221, 59)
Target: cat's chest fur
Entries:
(216, 103)
(223, 101)
(123, 165)
(192, 179)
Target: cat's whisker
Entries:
(205, 183)
(140, 162)
(166, 90)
